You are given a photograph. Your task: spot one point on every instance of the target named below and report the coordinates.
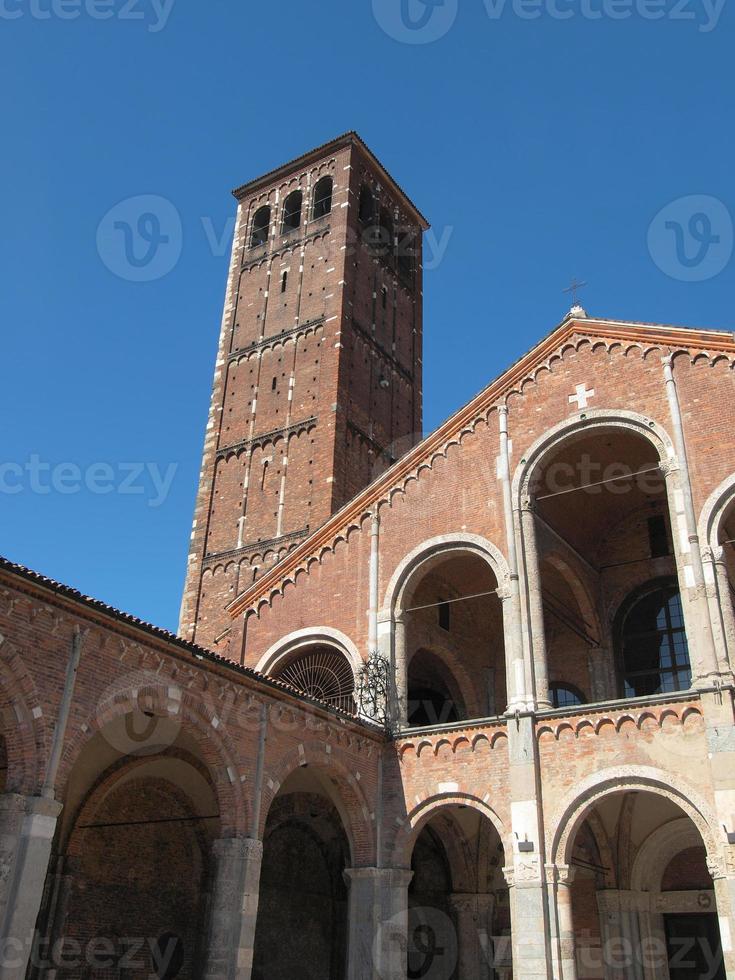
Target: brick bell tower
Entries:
(317, 385)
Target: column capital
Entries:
(247, 848)
(395, 877)
(561, 874)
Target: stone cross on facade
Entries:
(581, 396)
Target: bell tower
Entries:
(317, 385)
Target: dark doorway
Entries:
(693, 947)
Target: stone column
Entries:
(536, 629)
(721, 608)
(378, 923)
(401, 669)
(27, 828)
(234, 909)
(473, 916)
(525, 872)
(567, 945)
(724, 882)
(602, 674)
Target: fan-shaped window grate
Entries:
(322, 673)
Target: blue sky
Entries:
(542, 138)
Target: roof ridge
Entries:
(497, 388)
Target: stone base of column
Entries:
(234, 912)
(27, 828)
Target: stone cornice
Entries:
(275, 339)
(287, 430)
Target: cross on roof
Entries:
(574, 286)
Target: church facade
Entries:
(452, 707)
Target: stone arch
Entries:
(24, 727)
(284, 648)
(195, 718)
(713, 511)
(437, 548)
(658, 849)
(590, 420)
(345, 792)
(607, 782)
(422, 813)
(716, 574)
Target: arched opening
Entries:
(132, 871)
(651, 641)
(261, 227)
(322, 197)
(642, 898)
(367, 206)
(452, 622)
(565, 695)
(458, 910)
(321, 671)
(433, 695)
(601, 530)
(726, 540)
(292, 211)
(301, 929)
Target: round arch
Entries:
(434, 550)
(27, 740)
(714, 510)
(593, 419)
(608, 782)
(193, 717)
(282, 650)
(416, 820)
(657, 851)
(342, 789)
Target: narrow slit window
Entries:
(444, 614)
(284, 282)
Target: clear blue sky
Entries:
(544, 147)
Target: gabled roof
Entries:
(317, 153)
(649, 334)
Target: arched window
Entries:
(386, 230)
(292, 211)
(405, 255)
(324, 673)
(322, 197)
(367, 206)
(432, 695)
(565, 695)
(261, 226)
(654, 649)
